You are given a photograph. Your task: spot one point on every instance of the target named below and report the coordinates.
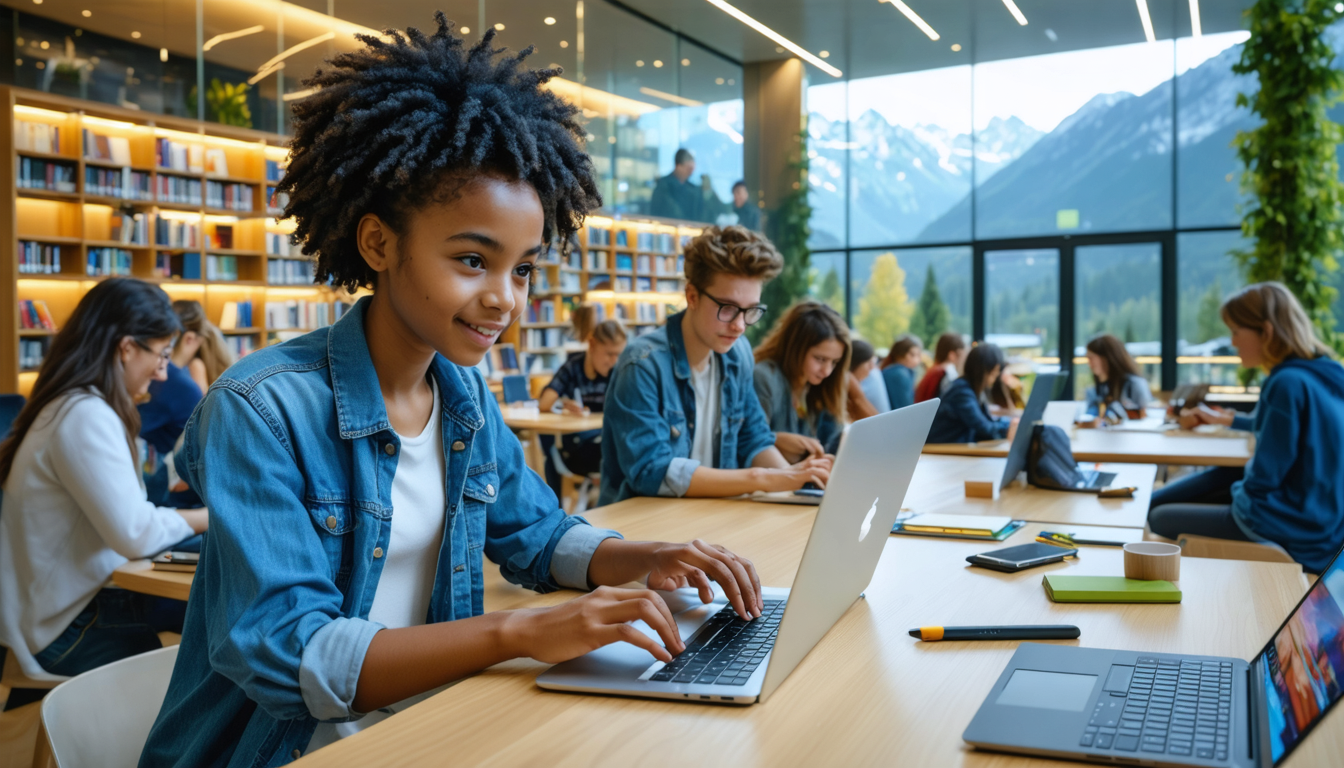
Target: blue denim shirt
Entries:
(293, 452)
(649, 417)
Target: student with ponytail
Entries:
(580, 385)
(200, 349)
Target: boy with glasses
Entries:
(682, 417)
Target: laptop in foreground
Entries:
(731, 661)
(1173, 709)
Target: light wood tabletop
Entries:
(549, 423)
(140, 576)
(938, 486)
(868, 694)
(1232, 449)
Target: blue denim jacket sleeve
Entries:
(265, 580)
(644, 451)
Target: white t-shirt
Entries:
(705, 382)
(419, 502)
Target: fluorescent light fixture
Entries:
(1022, 20)
(597, 101)
(913, 17)
(295, 95)
(276, 61)
(45, 114)
(217, 39)
(1147, 21)
(650, 296)
(105, 123)
(1197, 29)
(778, 38)
(672, 97)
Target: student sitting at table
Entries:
(360, 475)
(800, 376)
(948, 355)
(1289, 493)
(963, 416)
(200, 349)
(682, 417)
(580, 386)
(898, 369)
(1120, 390)
(74, 505)
(866, 393)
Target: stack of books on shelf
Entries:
(643, 284)
(669, 286)
(277, 244)
(108, 261)
(597, 259)
(666, 242)
(130, 229)
(35, 316)
(109, 149)
(543, 338)
(644, 241)
(163, 265)
(44, 174)
(574, 259)
(39, 258)
(179, 190)
(623, 285)
(37, 137)
(216, 162)
(232, 197)
(31, 353)
(303, 315)
(240, 345)
(665, 265)
(646, 312)
(222, 236)
(289, 272)
(176, 156)
(221, 267)
(599, 236)
(622, 238)
(542, 311)
(236, 314)
(624, 262)
(117, 182)
(177, 233)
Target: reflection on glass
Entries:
(1022, 294)
(1207, 118)
(827, 280)
(1118, 291)
(827, 147)
(1206, 275)
(924, 291)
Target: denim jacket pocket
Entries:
(478, 495)
(333, 520)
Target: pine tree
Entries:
(932, 315)
(885, 309)
(830, 292)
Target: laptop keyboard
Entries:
(1173, 706)
(727, 649)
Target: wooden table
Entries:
(1174, 447)
(868, 694)
(528, 420)
(140, 576)
(938, 486)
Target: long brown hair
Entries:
(585, 328)
(1119, 364)
(1290, 332)
(807, 324)
(901, 347)
(86, 354)
(213, 352)
(947, 344)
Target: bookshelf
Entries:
(178, 202)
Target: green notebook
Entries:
(1109, 589)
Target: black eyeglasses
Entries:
(164, 357)
(729, 312)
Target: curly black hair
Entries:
(397, 124)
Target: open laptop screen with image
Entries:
(1303, 666)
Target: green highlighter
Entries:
(1109, 589)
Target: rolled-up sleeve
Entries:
(573, 553)
(330, 666)
(677, 481)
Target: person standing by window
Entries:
(748, 213)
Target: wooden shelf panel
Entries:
(117, 166)
(45, 194)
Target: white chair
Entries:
(575, 489)
(102, 717)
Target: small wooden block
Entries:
(982, 489)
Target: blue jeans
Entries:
(116, 624)
(1198, 505)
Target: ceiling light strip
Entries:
(1022, 20)
(778, 38)
(265, 69)
(672, 97)
(217, 39)
(913, 17)
(1147, 21)
(1196, 28)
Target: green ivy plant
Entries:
(225, 103)
(1290, 163)
(788, 228)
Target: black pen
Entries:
(1020, 632)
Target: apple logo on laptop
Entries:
(868, 521)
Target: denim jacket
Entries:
(293, 453)
(649, 417)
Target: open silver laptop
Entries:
(731, 661)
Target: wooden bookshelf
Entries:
(80, 219)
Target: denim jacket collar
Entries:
(354, 382)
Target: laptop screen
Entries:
(1303, 666)
(1046, 388)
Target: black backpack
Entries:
(1050, 462)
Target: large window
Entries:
(923, 291)
(1117, 291)
(827, 280)
(1022, 302)
(1207, 276)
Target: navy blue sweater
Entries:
(1293, 492)
(962, 418)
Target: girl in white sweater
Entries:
(74, 505)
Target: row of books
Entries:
(112, 149)
(600, 236)
(221, 237)
(177, 189)
(236, 314)
(240, 345)
(231, 196)
(45, 174)
(108, 261)
(37, 137)
(289, 272)
(297, 313)
(177, 156)
(221, 267)
(573, 260)
(163, 265)
(117, 182)
(662, 242)
(545, 311)
(568, 283)
(31, 354)
(35, 315)
(542, 338)
(277, 244)
(274, 171)
(177, 233)
(39, 258)
(132, 229)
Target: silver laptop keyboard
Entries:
(726, 649)
(1173, 706)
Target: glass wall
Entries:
(1117, 291)
(923, 291)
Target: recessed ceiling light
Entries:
(163, 54)
(18, 62)
(657, 63)
(44, 45)
(611, 139)
(731, 81)
(779, 49)
(718, 81)
(86, 14)
(135, 35)
(639, 62)
(549, 20)
(824, 54)
(37, 2)
(685, 62)
(564, 43)
(499, 27)
(956, 46)
(464, 30)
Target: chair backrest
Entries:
(10, 405)
(103, 716)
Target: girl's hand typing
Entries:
(586, 623)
